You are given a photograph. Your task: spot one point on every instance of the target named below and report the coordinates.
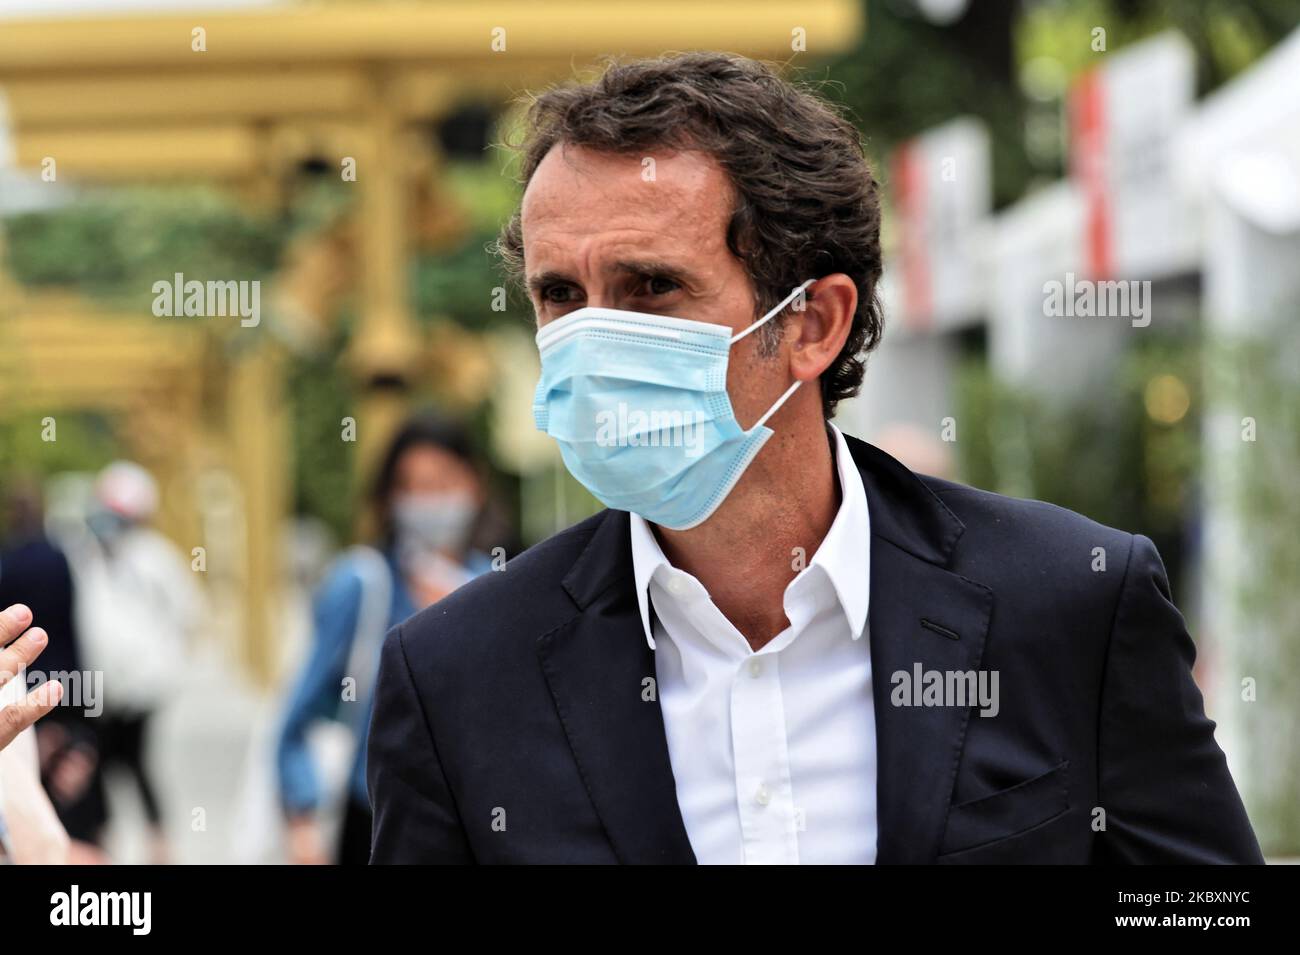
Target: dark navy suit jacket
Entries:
(512, 722)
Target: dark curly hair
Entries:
(807, 204)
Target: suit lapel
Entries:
(597, 665)
(917, 747)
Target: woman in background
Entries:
(428, 497)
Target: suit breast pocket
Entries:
(1003, 814)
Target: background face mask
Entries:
(638, 404)
(433, 521)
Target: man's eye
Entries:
(659, 285)
(557, 294)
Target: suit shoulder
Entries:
(1029, 537)
(974, 506)
(1046, 563)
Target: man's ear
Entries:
(817, 334)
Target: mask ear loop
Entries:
(776, 311)
(776, 407)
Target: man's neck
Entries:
(764, 533)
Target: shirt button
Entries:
(676, 586)
(755, 667)
(762, 797)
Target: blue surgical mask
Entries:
(639, 406)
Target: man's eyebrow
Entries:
(542, 279)
(657, 268)
(653, 267)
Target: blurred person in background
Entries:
(428, 498)
(35, 573)
(138, 611)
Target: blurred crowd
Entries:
(121, 608)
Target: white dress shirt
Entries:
(774, 751)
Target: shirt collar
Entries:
(844, 553)
(647, 557)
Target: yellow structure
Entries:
(241, 97)
(59, 355)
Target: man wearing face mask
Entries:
(428, 498)
(710, 670)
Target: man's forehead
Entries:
(578, 190)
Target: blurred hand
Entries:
(434, 577)
(25, 647)
(86, 853)
(35, 834)
(306, 842)
(71, 773)
(426, 592)
(51, 740)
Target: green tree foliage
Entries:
(1111, 459)
(113, 245)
